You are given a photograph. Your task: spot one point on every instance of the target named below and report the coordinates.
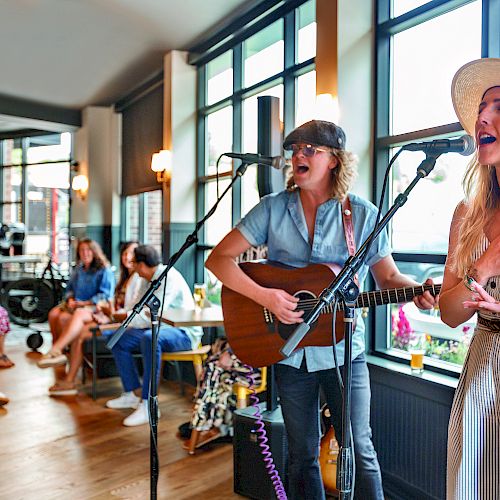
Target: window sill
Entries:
(427, 375)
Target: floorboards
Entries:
(76, 448)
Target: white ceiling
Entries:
(75, 53)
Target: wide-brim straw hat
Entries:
(469, 85)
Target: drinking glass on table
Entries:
(199, 295)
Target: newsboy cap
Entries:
(316, 133)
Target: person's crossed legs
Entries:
(169, 340)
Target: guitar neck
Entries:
(391, 296)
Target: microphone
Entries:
(276, 162)
(464, 145)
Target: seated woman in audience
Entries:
(5, 362)
(92, 281)
(126, 295)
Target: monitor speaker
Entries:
(251, 478)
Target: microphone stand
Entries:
(149, 299)
(344, 287)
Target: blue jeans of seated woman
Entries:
(299, 398)
(170, 339)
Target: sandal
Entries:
(5, 361)
(52, 358)
(63, 388)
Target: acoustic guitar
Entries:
(255, 334)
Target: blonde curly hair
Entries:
(343, 175)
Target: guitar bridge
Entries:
(269, 320)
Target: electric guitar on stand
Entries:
(255, 334)
(328, 454)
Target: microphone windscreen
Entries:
(469, 145)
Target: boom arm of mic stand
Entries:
(190, 240)
(344, 281)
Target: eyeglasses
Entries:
(308, 151)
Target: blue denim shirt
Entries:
(278, 220)
(91, 285)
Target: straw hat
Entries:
(469, 85)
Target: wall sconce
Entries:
(161, 163)
(80, 182)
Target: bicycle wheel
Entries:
(28, 300)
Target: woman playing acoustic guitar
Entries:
(303, 225)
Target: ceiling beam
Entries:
(38, 115)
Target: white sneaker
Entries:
(140, 416)
(126, 400)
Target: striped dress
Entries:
(473, 471)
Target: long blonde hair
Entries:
(343, 175)
(482, 195)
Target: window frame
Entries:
(385, 28)
(287, 77)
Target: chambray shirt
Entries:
(90, 284)
(279, 222)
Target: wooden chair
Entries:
(92, 355)
(94, 350)
(196, 356)
(243, 392)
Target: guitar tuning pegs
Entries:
(364, 312)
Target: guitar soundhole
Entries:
(307, 300)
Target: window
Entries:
(142, 218)
(267, 58)
(35, 192)
(414, 104)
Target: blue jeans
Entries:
(169, 340)
(299, 393)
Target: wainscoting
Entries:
(175, 236)
(410, 421)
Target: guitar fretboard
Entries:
(371, 299)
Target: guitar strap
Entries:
(349, 229)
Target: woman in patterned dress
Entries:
(472, 285)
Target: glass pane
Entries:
(306, 31)
(422, 224)
(263, 54)
(47, 193)
(51, 147)
(153, 219)
(409, 324)
(12, 180)
(306, 98)
(402, 6)
(250, 131)
(425, 58)
(219, 139)
(220, 223)
(11, 213)
(12, 152)
(220, 78)
(249, 191)
(132, 217)
(47, 218)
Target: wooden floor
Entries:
(73, 447)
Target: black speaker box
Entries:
(251, 478)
